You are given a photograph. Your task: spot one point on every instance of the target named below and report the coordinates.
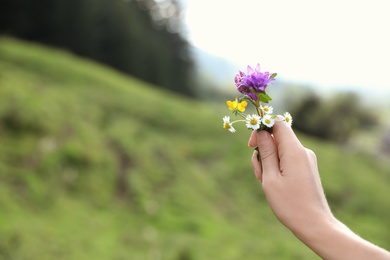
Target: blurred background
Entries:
(111, 138)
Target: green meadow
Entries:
(95, 164)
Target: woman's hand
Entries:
(290, 179)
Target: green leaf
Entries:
(273, 75)
(264, 98)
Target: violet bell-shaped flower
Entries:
(253, 83)
(239, 78)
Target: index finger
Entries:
(285, 138)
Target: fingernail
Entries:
(279, 118)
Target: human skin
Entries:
(291, 182)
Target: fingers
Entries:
(268, 153)
(285, 137)
(252, 140)
(273, 148)
(257, 166)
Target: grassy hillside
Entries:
(98, 165)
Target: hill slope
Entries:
(98, 165)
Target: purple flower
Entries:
(253, 83)
(239, 77)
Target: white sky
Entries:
(327, 43)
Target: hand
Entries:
(290, 179)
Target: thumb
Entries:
(268, 153)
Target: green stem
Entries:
(253, 103)
(259, 111)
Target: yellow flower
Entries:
(241, 106)
(234, 105)
(231, 104)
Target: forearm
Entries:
(333, 240)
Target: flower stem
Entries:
(259, 111)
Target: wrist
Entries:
(316, 231)
(323, 236)
(331, 239)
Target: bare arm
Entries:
(291, 183)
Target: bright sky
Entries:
(326, 43)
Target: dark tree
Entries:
(141, 38)
(336, 118)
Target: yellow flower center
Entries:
(226, 126)
(287, 119)
(268, 121)
(253, 121)
(266, 109)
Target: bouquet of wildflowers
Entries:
(253, 86)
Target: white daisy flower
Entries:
(267, 109)
(227, 125)
(268, 121)
(288, 118)
(253, 121)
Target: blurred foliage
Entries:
(95, 164)
(141, 37)
(335, 118)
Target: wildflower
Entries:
(267, 109)
(242, 105)
(288, 118)
(253, 121)
(235, 105)
(253, 83)
(239, 78)
(268, 121)
(227, 125)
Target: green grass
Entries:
(98, 165)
